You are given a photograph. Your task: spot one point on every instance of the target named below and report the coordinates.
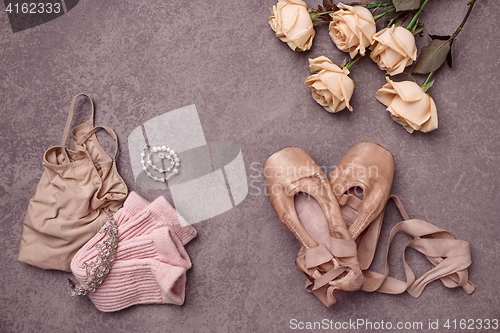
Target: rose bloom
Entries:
(293, 24)
(393, 49)
(352, 28)
(409, 105)
(330, 85)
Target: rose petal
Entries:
(331, 67)
(432, 123)
(347, 87)
(330, 79)
(385, 94)
(316, 64)
(318, 85)
(405, 40)
(415, 112)
(387, 38)
(409, 91)
(399, 120)
(390, 58)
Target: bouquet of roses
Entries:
(352, 27)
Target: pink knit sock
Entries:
(139, 281)
(161, 244)
(137, 219)
(150, 262)
(165, 214)
(132, 206)
(148, 269)
(133, 219)
(156, 214)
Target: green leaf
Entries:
(402, 5)
(449, 58)
(426, 86)
(432, 56)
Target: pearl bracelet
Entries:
(164, 153)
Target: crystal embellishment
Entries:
(98, 269)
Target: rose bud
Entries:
(293, 24)
(393, 49)
(352, 28)
(409, 105)
(330, 85)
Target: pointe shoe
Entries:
(369, 167)
(304, 202)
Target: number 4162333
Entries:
(470, 324)
(34, 8)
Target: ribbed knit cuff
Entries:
(163, 212)
(132, 209)
(145, 281)
(162, 245)
(134, 203)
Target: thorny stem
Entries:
(471, 4)
(415, 17)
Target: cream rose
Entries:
(393, 49)
(330, 85)
(293, 24)
(352, 28)
(409, 105)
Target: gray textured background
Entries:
(141, 59)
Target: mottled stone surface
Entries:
(142, 59)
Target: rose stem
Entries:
(353, 61)
(415, 17)
(416, 31)
(317, 16)
(394, 19)
(369, 5)
(379, 16)
(428, 78)
(471, 4)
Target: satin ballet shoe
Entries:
(301, 195)
(362, 182)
